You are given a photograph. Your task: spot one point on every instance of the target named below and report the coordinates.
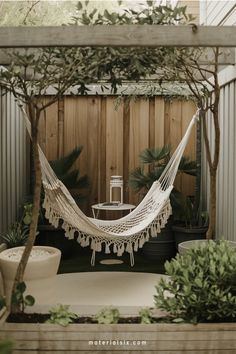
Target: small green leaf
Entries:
(21, 287)
(79, 6)
(29, 300)
(178, 320)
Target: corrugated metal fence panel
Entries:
(13, 161)
(226, 187)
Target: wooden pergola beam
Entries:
(125, 35)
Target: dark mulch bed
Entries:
(42, 317)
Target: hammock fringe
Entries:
(130, 244)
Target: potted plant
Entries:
(141, 178)
(16, 235)
(191, 224)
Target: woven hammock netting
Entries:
(126, 234)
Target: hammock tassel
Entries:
(146, 238)
(86, 241)
(98, 247)
(93, 258)
(141, 242)
(107, 249)
(120, 250)
(131, 255)
(136, 246)
(153, 230)
(158, 227)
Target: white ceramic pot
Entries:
(185, 246)
(40, 271)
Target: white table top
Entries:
(121, 206)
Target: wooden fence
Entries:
(112, 138)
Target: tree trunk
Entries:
(36, 205)
(212, 214)
(198, 172)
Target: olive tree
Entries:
(182, 65)
(32, 73)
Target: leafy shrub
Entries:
(202, 284)
(16, 236)
(20, 301)
(61, 315)
(108, 315)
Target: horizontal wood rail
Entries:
(123, 35)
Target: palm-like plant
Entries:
(70, 176)
(154, 162)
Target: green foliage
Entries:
(146, 316)
(19, 300)
(154, 162)
(70, 177)
(27, 213)
(108, 315)
(61, 315)
(202, 284)
(189, 215)
(17, 235)
(6, 346)
(150, 13)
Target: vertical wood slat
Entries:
(139, 136)
(112, 140)
(60, 127)
(187, 181)
(92, 141)
(102, 153)
(176, 131)
(13, 172)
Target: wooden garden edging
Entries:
(121, 338)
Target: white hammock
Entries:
(126, 234)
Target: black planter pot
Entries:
(162, 247)
(182, 233)
(49, 236)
